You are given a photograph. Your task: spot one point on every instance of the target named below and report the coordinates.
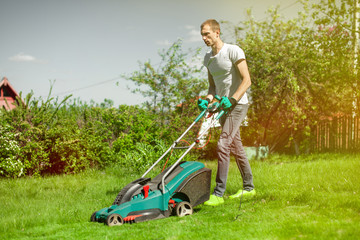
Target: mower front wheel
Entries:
(183, 208)
(114, 220)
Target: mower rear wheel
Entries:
(114, 220)
(183, 208)
(93, 219)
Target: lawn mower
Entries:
(175, 191)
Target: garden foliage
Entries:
(303, 70)
(50, 137)
(42, 137)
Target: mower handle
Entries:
(217, 97)
(212, 109)
(200, 115)
(222, 112)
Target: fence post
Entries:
(357, 145)
(335, 120)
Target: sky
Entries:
(84, 47)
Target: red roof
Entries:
(8, 95)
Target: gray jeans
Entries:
(230, 142)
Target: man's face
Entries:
(209, 36)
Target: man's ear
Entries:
(218, 33)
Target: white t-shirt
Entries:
(222, 68)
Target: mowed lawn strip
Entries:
(306, 197)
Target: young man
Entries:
(229, 78)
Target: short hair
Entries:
(214, 25)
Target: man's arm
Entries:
(242, 67)
(211, 91)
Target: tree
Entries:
(299, 74)
(339, 39)
(175, 80)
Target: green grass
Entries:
(312, 197)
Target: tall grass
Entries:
(313, 197)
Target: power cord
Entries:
(239, 206)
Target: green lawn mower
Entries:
(175, 191)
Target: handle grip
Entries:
(215, 106)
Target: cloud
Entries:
(22, 57)
(193, 34)
(189, 27)
(163, 42)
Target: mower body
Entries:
(145, 198)
(176, 190)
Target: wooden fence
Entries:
(337, 135)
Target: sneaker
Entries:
(244, 193)
(214, 201)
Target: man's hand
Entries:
(227, 103)
(203, 104)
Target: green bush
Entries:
(144, 155)
(10, 165)
(42, 137)
(49, 136)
